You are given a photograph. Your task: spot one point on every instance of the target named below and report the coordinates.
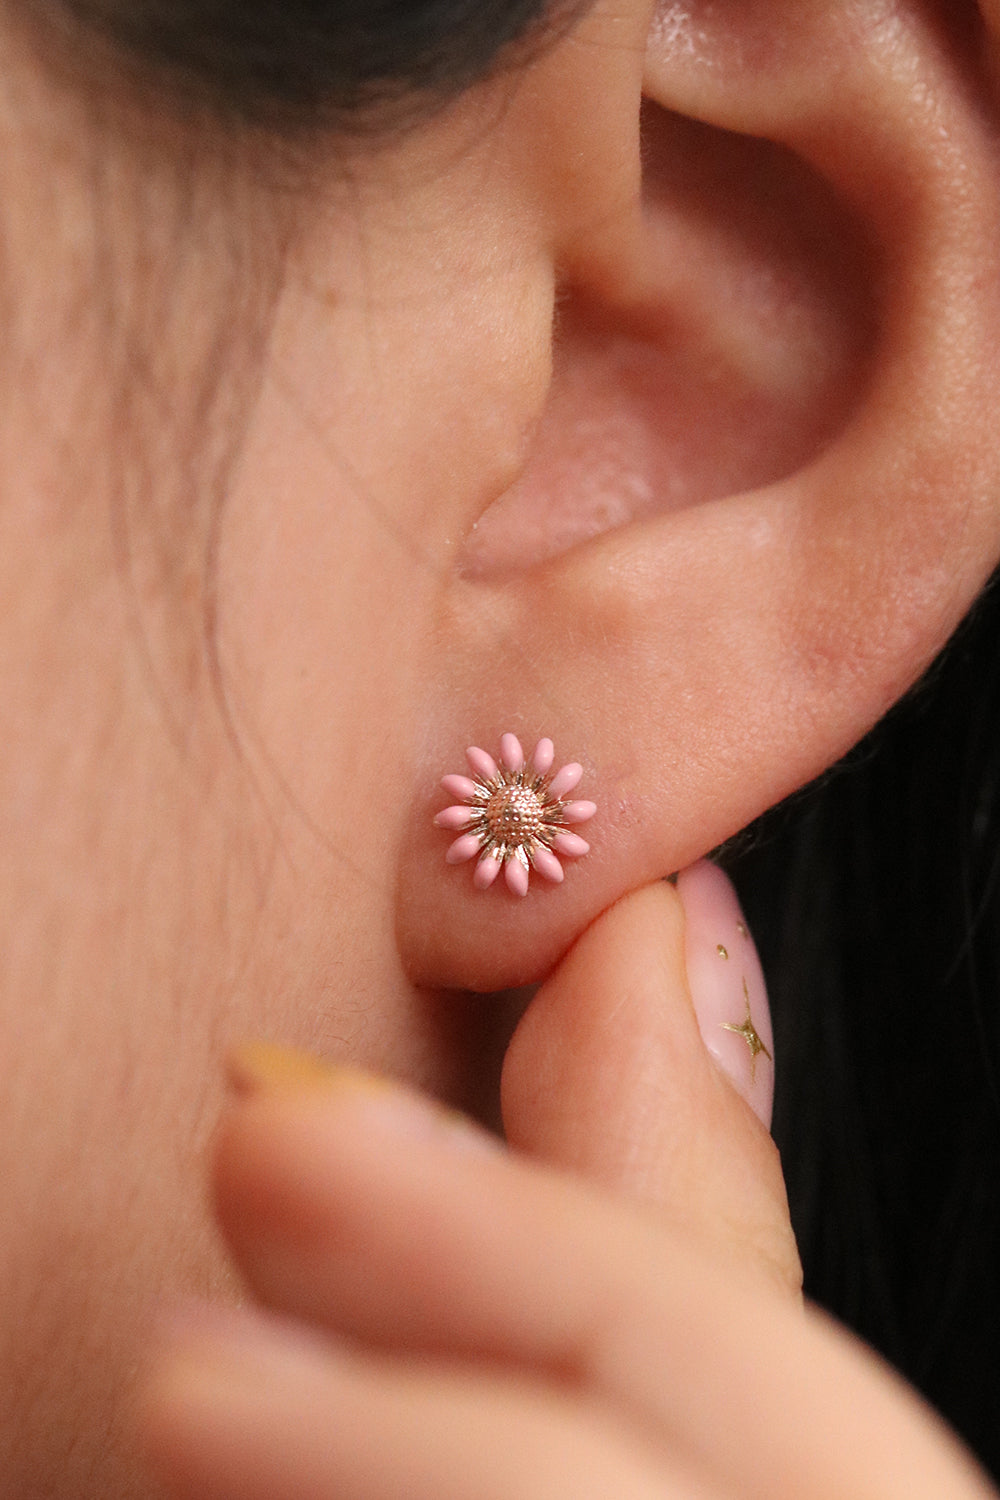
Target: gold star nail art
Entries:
(750, 1035)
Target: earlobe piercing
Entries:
(514, 815)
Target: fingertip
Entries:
(609, 1075)
(610, 1025)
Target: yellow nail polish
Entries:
(263, 1068)
(267, 1068)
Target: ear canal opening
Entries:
(726, 361)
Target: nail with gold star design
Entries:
(727, 985)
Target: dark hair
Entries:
(306, 62)
(875, 899)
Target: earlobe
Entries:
(707, 657)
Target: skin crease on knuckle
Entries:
(636, 391)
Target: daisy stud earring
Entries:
(513, 815)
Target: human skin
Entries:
(259, 415)
(459, 1321)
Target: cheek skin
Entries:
(176, 919)
(164, 902)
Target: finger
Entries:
(609, 1074)
(254, 1411)
(369, 1213)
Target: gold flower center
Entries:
(514, 814)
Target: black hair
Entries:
(292, 63)
(875, 900)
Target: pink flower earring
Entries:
(514, 815)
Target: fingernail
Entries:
(379, 1105)
(267, 1068)
(192, 1326)
(727, 985)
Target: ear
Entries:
(764, 489)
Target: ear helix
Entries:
(513, 815)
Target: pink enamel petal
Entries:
(455, 817)
(511, 753)
(487, 871)
(484, 765)
(462, 849)
(565, 780)
(461, 787)
(571, 844)
(545, 754)
(546, 864)
(579, 812)
(516, 876)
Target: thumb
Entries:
(619, 1072)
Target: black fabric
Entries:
(875, 900)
